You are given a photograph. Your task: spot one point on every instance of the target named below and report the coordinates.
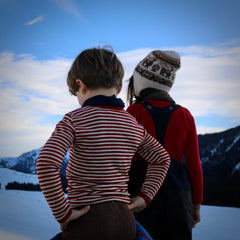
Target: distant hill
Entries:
(26, 162)
(220, 153)
(220, 157)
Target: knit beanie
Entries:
(157, 70)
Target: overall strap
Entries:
(160, 118)
(177, 176)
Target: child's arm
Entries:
(48, 166)
(158, 163)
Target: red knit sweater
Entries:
(102, 142)
(180, 140)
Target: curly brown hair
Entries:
(97, 68)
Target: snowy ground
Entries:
(8, 175)
(25, 215)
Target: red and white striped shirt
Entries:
(102, 142)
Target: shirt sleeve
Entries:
(158, 163)
(193, 164)
(48, 168)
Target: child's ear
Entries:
(82, 86)
(78, 82)
(119, 90)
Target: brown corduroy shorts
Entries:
(108, 220)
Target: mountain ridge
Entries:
(219, 153)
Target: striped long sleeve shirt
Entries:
(102, 142)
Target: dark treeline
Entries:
(222, 191)
(217, 191)
(32, 187)
(23, 186)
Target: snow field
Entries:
(25, 215)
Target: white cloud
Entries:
(70, 7)
(206, 129)
(210, 84)
(38, 19)
(34, 94)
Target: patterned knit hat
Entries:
(157, 70)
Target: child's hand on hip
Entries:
(137, 204)
(75, 214)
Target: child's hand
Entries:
(137, 204)
(196, 214)
(75, 214)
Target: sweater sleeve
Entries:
(48, 166)
(193, 163)
(158, 163)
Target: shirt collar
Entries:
(102, 100)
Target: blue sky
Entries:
(40, 39)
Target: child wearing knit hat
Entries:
(175, 209)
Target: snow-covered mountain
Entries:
(26, 162)
(219, 152)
